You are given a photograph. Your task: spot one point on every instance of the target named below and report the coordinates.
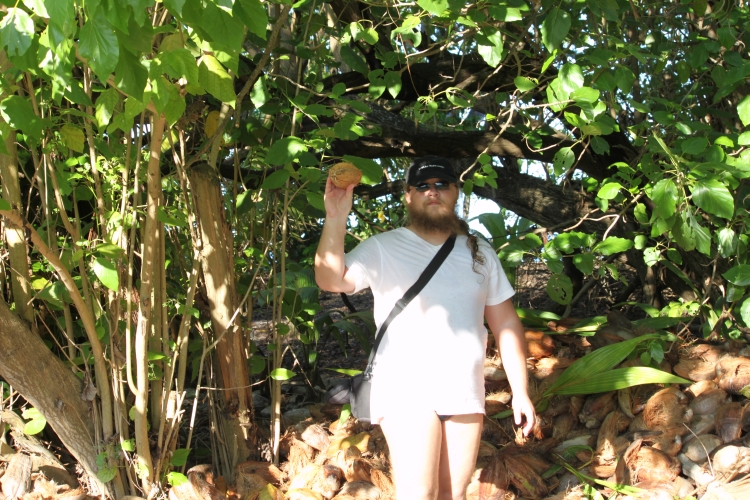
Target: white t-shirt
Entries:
(432, 355)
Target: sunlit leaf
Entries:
(179, 457)
(739, 275)
(72, 137)
(106, 271)
(99, 45)
(285, 150)
(555, 28)
(713, 197)
(282, 374)
(613, 245)
(215, 79)
(16, 31)
(620, 378)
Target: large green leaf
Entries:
(16, 32)
(560, 288)
(106, 271)
(664, 196)
(490, 46)
(596, 362)
(275, 180)
(743, 110)
(563, 160)
(745, 311)
(555, 28)
(179, 457)
(739, 275)
(282, 374)
(98, 44)
(180, 63)
(18, 113)
(105, 106)
(713, 197)
(215, 79)
(254, 15)
(571, 77)
(357, 63)
(72, 137)
(372, 172)
(435, 7)
(285, 150)
(620, 378)
(613, 245)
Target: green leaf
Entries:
(18, 113)
(105, 107)
(393, 83)
(571, 77)
(739, 275)
(613, 245)
(346, 411)
(276, 180)
(563, 160)
(555, 28)
(36, 423)
(620, 378)
(727, 239)
(106, 271)
(435, 7)
(490, 47)
(584, 262)
(131, 76)
(624, 78)
(664, 196)
(609, 190)
(175, 7)
(372, 172)
(72, 137)
(98, 44)
(180, 63)
(282, 374)
(215, 79)
(259, 95)
(585, 94)
(109, 250)
(253, 14)
(16, 31)
(285, 150)
(106, 474)
(524, 84)
(694, 145)
(560, 288)
(745, 311)
(713, 197)
(345, 371)
(179, 457)
(175, 478)
(595, 363)
(353, 60)
(743, 110)
(4, 205)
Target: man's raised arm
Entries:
(330, 267)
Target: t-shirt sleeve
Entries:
(364, 264)
(499, 289)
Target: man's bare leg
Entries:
(458, 455)
(414, 440)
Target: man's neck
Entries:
(432, 237)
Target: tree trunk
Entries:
(42, 379)
(14, 236)
(217, 261)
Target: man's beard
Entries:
(431, 222)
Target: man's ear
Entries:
(407, 195)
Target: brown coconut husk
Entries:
(596, 408)
(708, 402)
(728, 421)
(666, 409)
(494, 480)
(733, 373)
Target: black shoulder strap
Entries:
(412, 292)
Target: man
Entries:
(435, 348)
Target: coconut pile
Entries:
(647, 441)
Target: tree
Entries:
(171, 158)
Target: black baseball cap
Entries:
(430, 167)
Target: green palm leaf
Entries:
(620, 378)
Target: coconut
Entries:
(728, 421)
(361, 490)
(494, 480)
(596, 408)
(666, 409)
(698, 449)
(343, 174)
(702, 386)
(649, 464)
(730, 462)
(733, 373)
(316, 436)
(538, 344)
(708, 402)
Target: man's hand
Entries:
(338, 201)
(523, 407)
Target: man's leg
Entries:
(414, 439)
(458, 455)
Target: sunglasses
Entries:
(426, 186)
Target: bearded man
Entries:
(436, 346)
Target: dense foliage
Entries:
(165, 163)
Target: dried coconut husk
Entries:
(728, 421)
(316, 436)
(563, 425)
(701, 387)
(360, 490)
(248, 485)
(739, 489)
(609, 445)
(302, 494)
(494, 480)
(706, 352)
(496, 402)
(550, 368)
(383, 482)
(701, 424)
(539, 345)
(700, 448)
(649, 464)
(637, 424)
(666, 409)
(300, 456)
(709, 401)
(596, 407)
(729, 462)
(16, 481)
(524, 471)
(696, 369)
(625, 402)
(733, 373)
(640, 396)
(667, 440)
(267, 471)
